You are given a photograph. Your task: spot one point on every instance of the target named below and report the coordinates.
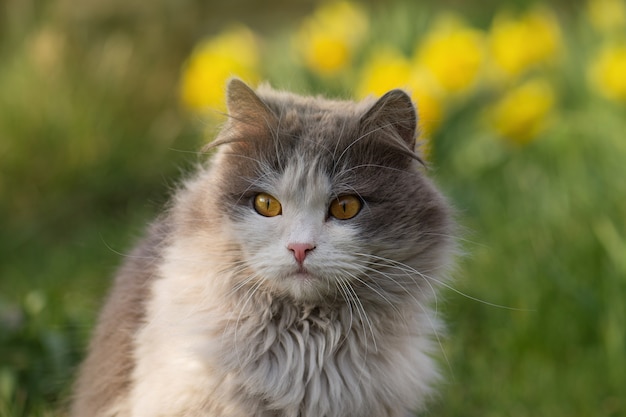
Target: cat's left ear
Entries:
(395, 111)
(246, 110)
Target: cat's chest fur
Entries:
(255, 355)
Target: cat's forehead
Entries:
(304, 181)
(315, 121)
(278, 136)
(317, 132)
(279, 101)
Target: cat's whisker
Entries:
(242, 283)
(407, 272)
(251, 292)
(421, 306)
(377, 292)
(354, 168)
(352, 299)
(346, 296)
(251, 185)
(404, 273)
(358, 139)
(126, 255)
(456, 238)
(338, 141)
(461, 293)
(378, 129)
(274, 132)
(437, 281)
(246, 157)
(389, 276)
(363, 320)
(360, 305)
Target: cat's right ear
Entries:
(248, 114)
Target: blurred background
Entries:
(105, 103)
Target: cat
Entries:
(290, 276)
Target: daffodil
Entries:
(607, 72)
(327, 40)
(607, 15)
(453, 53)
(516, 45)
(429, 99)
(231, 53)
(387, 69)
(523, 112)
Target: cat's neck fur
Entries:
(268, 354)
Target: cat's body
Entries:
(251, 297)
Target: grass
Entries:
(548, 242)
(91, 144)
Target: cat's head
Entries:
(327, 200)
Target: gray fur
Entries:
(207, 318)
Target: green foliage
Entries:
(547, 240)
(92, 140)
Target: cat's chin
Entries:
(304, 275)
(302, 285)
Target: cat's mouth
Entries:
(305, 285)
(303, 274)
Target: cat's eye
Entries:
(266, 205)
(345, 207)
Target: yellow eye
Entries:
(345, 207)
(266, 205)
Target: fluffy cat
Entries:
(291, 276)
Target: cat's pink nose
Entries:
(300, 250)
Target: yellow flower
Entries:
(326, 41)
(234, 52)
(453, 53)
(607, 15)
(387, 69)
(607, 73)
(428, 99)
(523, 112)
(517, 45)
(47, 48)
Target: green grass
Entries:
(89, 152)
(548, 241)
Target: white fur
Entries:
(187, 357)
(210, 350)
(215, 316)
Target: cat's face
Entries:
(326, 200)
(298, 246)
